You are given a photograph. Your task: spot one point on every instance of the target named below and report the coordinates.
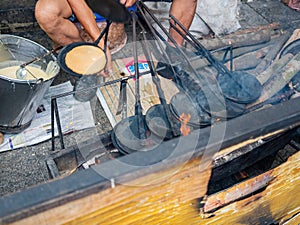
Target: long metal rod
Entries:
(203, 83)
(104, 32)
(122, 105)
(157, 36)
(205, 52)
(41, 57)
(138, 105)
(54, 110)
(230, 50)
(101, 85)
(222, 69)
(52, 125)
(184, 56)
(156, 80)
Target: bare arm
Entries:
(87, 19)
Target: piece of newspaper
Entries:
(74, 116)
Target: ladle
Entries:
(21, 73)
(158, 117)
(206, 95)
(204, 100)
(112, 11)
(68, 48)
(181, 104)
(238, 86)
(132, 134)
(242, 83)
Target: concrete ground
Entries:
(26, 167)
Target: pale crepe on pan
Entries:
(86, 59)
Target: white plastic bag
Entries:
(220, 16)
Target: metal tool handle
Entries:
(41, 57)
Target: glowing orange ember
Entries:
(185, 129)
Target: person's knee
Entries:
(46, 14)
(43, 14)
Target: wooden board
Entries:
(170, 202)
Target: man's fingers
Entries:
(106, 73)
(123, 2)
(128, 3)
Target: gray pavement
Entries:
(26, 167)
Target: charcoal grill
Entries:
(181, 197)
(207, 99)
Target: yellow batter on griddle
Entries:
(86, 59)
(10, 72)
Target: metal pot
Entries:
(19, 99)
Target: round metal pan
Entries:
(183, 104)
(68, 48)
(240, 87)
(126, 139)
(158, 122)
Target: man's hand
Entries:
(108, 69)
(128, 3)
